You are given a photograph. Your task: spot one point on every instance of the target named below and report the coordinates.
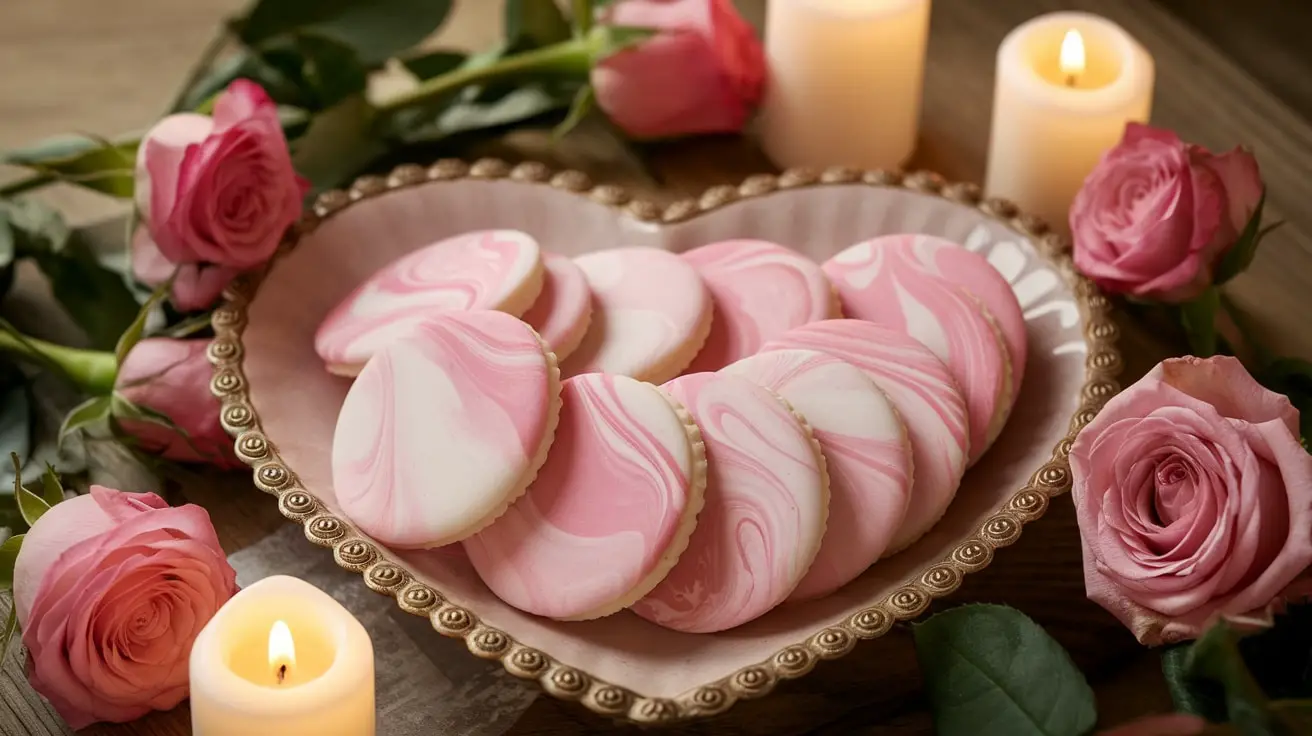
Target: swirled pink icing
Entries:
(489, 269)
(564, 308)
(443, 428)
(609, 511)
(866, 453)
(888, 287)
(766, 503)
(760, 291)
(650, 314)
(926, 398)
(973, 272)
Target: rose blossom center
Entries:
(1173, 486)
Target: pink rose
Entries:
(1156, 214)
(1194, 499)
(110, 589)
(172, 378)
(219, 190)
(197, 285)
(704, 73)
(1173, 724)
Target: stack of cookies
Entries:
(695, 437)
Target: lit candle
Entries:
(845, 81)
(283, 658)
(1067, 83)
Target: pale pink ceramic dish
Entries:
(281, 406)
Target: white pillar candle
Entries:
(1067, 83)
(845, 81)
(282, 657)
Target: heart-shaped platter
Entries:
(281, 406)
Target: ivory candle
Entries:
(282, 657)
(845, 81)
(1067, 83)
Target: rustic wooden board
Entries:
(113, 65)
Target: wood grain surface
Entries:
(112, 65)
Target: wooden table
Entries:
(112, 65)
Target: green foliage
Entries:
(8, 555)
(1199, 319)
(991, 670)
(30, 505)
(435, 63)
(90, 414)
(1191, 695)
(15, 424)
(131, 335)
(1241, 254)
(322, 70)
(535, 23)
(582, 106)
(1293, 378)
(97, 298)
(87, 161)
(375, 29)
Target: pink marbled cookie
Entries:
(926, 398)
(489, 269)
(611, 509)
(973, 272)
(651, 313)
(767, 499)
(444, 428)
(889, 287)
(866, 453)
(760, 291)
(564, 308)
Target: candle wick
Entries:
(1070, 80)
(282, 673)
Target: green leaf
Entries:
(325, 71)
(137, 328)
(1293, 378)
(188, 327)
(7, 245)
(83, 160)
(30, 505)
(15, 425)
(991, 670)
(434, 63)
(581, 14)
(1216, 657)
(95, 409)
(1191, 695)
(97, 298)
(375, 29)
(1242, 252)
(582, 106)
(52, 490)
(521, 105)
(535, 23)
(338, 146)
(1199, 319)
(8, 556)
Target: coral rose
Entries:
(219, 190)
(703, 73)
(111, 589)
(172, 378)
(1194, 500)
(1156, 214)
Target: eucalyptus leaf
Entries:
(83, 160)
(991, 670)
(535, 23)
(8, 556)
(15, 427)
(375, 29)
(1241, 254)
(1199, 319)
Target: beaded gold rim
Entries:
(912, 598)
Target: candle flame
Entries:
(1072, 54)
(282, 650)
